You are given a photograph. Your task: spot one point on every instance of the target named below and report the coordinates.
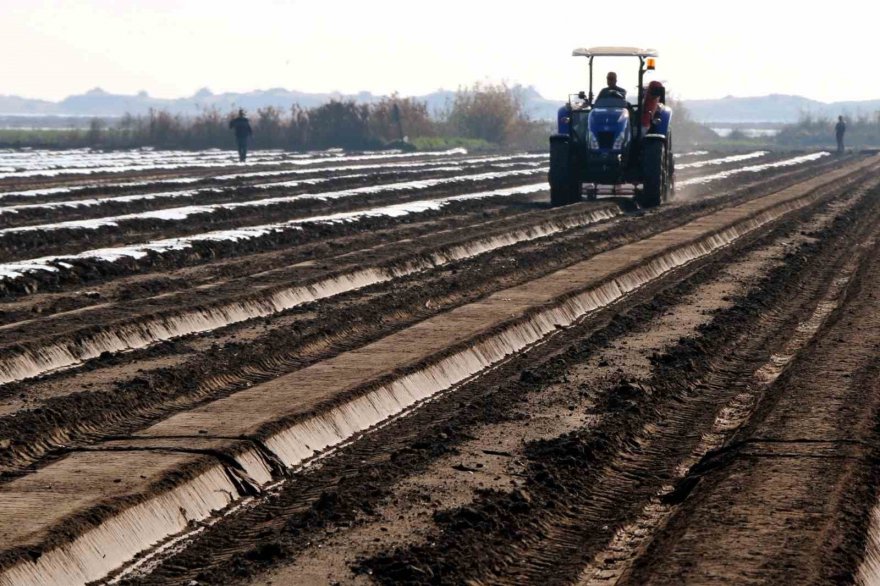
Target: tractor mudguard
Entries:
(559, 138)
(563, 119)
(565, 186)
(661, 129)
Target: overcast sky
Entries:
(54, 48)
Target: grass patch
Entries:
(438, 143)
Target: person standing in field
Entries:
(840, 130)
(243, 131)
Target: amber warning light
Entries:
(652, 63)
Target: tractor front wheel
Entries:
(565, 187)
(655, 172)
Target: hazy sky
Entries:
(53, 48)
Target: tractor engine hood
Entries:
(609, 129)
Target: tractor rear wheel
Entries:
(670, 169)
(655, 171)
(565, 187)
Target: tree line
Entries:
(482, 116)
(818, 131)
(489, 115)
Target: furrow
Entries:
(158, 328)
(85, 526)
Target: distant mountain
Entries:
(26, 106)
(776, 108)
(97, 102)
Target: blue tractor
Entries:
(607, 141)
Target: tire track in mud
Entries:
(275, 532)
(78, 317)
(581, 487)
(739, 221)
(252, 471)
(63, 417)
(198, 277)
(345, 324)
(150, 330)
(613, 565)
(646, 431)
(798, 480)
(211, 315)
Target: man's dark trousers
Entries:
(242, 148)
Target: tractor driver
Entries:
(612, 91)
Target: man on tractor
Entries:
(612, 91)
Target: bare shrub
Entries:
(297, 129)
(269, 127)
(164, 129)
(207, 129)
(491, 112)
(96, 132)
(394, 118)
(340, 124)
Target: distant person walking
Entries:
(840, 130)
(243, 131)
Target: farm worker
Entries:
(608, 92)
(840, 130)
(242, 129)
(653, 97)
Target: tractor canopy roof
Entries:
(614, 52)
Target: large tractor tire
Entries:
(565, 187)
(670, 169)
(655, 172)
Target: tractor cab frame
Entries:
(608, 142)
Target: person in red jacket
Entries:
(654, 96)
(243, 131)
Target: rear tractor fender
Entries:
(660, 125)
